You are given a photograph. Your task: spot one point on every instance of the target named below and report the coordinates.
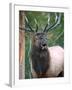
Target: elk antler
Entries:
(28, 24)
(36, 25)
(52, 26)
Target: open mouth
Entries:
(44, 46)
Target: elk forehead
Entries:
(40, 35)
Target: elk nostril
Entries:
(44, 45)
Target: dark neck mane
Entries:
(40, 61)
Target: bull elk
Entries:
(45, 61)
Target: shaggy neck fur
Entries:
(40, 61)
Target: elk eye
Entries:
(41, 38)
(46, 38)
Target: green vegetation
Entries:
(55, 36)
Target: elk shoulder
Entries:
(56, 61)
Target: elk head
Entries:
(39, 41)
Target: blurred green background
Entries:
(55, 36)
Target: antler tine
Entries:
(57, 22)
(49, 19)
(47, 23)
(28, 24)
(36, 25)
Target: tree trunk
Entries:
(21, 46)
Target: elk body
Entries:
(45, 61)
